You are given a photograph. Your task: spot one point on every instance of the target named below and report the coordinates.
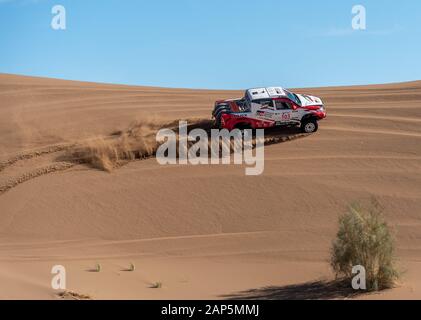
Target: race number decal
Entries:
(286, 116)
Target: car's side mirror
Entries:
(294, 107)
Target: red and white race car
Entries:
(263, 108)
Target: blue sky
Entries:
(227, 44)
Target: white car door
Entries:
(266, 110)
(283, 111)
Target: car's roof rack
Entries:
(265, 93)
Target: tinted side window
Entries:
(264, 102)
(282, 105)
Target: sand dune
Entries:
(203, 231)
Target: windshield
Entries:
(293, 97)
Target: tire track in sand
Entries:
(60, 166)
(38, 164)
(374, 131)
(33, 154)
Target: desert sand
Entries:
(200, 231)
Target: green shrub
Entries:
(364, 238)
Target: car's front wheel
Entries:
(309, 126)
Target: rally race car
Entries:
(263, 108)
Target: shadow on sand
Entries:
(318, 290)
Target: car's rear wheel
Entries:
(309, 126)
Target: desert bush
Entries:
(156, 285)
(97, 268)
(74, 295)
(365, 239)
